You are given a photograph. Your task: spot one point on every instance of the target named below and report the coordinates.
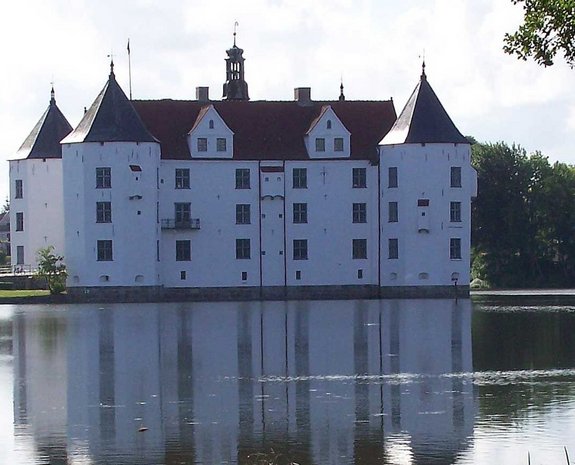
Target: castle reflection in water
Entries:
(325, 382)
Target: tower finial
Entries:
(423, 75)
(341, 95)
(236, 24)
(52, 94)
(111, 57)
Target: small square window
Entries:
(300, 212)
(183, 251)
(359, 178)
(243, 249)
(359, 249)
(299, 178)
(221, 145)
(103, 178)
(455, 248)
(338, 144)
(393, 213)
(104, 250)
(242, 178)
(359, 213)
(300, 249)
(456, 176)
(392, 176)
(182, 178)
(393, 249)
(202, 144)
(320, 144)
(455, 212)
(18, 194)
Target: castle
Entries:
(237, 198)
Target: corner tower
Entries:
(427, 184)
(36, 196)
(110, 165)
(235, 87)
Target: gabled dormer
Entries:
(210, 137)
(327, 137)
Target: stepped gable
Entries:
(111, 118)
(44, 140)
(265, 130)
(423, 120)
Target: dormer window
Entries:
(328, 125)
(320, 144)
(211, 124)
(202, 144)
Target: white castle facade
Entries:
(205, 197)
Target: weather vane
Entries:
(236, 24)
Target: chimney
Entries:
(203, 94)
(302, 95)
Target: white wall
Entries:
(424, 173)
(134, 229)
(42, 205)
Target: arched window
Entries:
(329, 124)
(211, 124)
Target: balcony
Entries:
(192, 223)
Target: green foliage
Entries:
(548, 29)
(523, 219)
(51, 268)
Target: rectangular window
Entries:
(103, 212)
(20, 221)
(300, 178)
(392, 176)
(182, 275)
(300, 249)
(244, 275)
(455, 248)
(455, 212)
(392, 213)
(182, 178)
(298, 275)
(359, 248)
(19, 255)
(182, 214)
(243, 213)
(320, 144)
(243, 249)
(338, 144)
(202, 144)
(105, 251)
(221, 145)
(359, 213)
(456, 176)
(300, 212)
(183, 251)
(359, 178)
(103, 178)
(18, 194)
(393, 249)
(242, 178)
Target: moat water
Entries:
(482, 381)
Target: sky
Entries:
(374, 46)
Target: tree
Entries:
(51, 268)
(548, 29)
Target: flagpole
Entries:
(130, 68)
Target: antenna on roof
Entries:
(236, 24)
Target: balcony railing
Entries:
(192, 223)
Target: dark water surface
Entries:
(339, 382)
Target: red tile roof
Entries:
(266, 130)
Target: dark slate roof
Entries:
(423, 120)
(111, 118)
(266, 130)
(44, 140)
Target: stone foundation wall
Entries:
(163, 294)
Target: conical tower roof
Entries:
(44, 140)
(423, 120)
(111, 118)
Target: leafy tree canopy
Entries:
(548, 29)
(51, 268)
